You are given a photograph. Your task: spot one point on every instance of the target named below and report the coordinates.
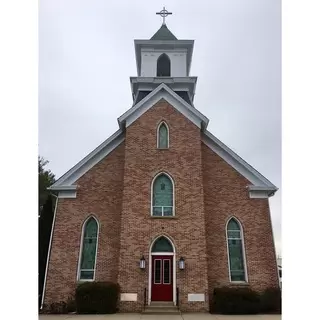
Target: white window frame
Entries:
(243, 250)
(158, 135)
(81, 248)
(173, 196)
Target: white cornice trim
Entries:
(163, 92)
(65, 182)
(261, 187)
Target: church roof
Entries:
(163, 34)
(260, 185)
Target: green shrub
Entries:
(97, 297)
(270, 301)
(71, 305)
(235, 301)
(58, 308)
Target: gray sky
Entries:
(86, 56)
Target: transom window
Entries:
(162, 196)
(235, 251)
(88, 250)
(163, 136)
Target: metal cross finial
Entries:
(164, 13)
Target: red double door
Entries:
(162, 278)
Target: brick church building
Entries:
(162, 207)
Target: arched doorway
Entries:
(162, 270)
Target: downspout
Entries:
(49, 251)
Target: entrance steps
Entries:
(161, 307)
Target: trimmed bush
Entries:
(58, 308)
(270, 301)
(97, 297)
(235, 301)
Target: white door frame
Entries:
(173, 263)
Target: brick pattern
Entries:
(99, 194)
(187, 230)
(226, 195)
(118, 192)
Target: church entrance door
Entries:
(162, 278)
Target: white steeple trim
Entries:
(163, 92)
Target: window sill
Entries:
(162, 148)
(239, 283)
(163, 217)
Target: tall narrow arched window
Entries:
(88, 250)
(163, 66)
(163, 136)
(237, 268)
(162, 196)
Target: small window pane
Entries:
(166, 271)
(167, 211)
(157, 271)
(157, 211)
(86, 275)
(234, 234)
(237, 275)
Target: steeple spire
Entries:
(164, 13)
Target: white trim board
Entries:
(66, 181)
(261, 185)
(163, 92)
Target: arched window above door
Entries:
(162, 244)
(163, 66)
(162, 196)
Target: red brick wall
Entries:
(226, 195)
(100, 194)
(187, 230)
(118, 192)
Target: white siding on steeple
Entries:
(149, 58)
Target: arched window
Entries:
(162, 244)
(237, 268)
(88, 250)
(162, 196)
(163, 66)
(163, 136)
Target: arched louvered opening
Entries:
(163, 66)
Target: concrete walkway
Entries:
(136, 316)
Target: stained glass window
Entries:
(89, 246)
(163, 137)
(162, 245)
(162, 198)
(235, 251)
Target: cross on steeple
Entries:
(164, 13)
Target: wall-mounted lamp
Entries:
(142, 263)
(181, 264)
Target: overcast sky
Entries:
(86, 56)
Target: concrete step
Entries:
(161, 307)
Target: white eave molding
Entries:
(163, 92)
(65, 184)
(261, 187)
